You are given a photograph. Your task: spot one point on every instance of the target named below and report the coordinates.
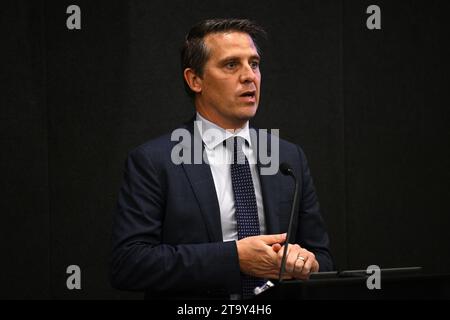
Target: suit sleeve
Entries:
(311, 231)
(141, 261)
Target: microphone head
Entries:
(285, 169)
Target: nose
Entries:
(247, 74)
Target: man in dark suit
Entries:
(214, 226)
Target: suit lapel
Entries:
(202, 183)
(269, 189)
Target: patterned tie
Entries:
(245, 207)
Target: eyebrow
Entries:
(233, 58)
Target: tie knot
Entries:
(235, 144)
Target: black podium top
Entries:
(395, 283)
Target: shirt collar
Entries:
(213, 135)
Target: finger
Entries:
(297, 266)
(310, 265)
(273, 238)
(280, 253)
(314, 263)
(306, 270)
(292, 265)
(291, 254)
(315, 266)
(276, 247)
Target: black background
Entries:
(369, 107)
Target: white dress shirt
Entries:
(220, 159)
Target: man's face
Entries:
(230, 84)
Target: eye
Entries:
(230, 65)
(254, 64)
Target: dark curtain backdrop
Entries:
(369, 107)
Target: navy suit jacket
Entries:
(167, 237)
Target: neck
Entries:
(219, 120)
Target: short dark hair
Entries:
(194, 52)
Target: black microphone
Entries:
(287, 171)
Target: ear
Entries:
(193, 80)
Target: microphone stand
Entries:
(288, 171)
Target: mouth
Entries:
(248, 96)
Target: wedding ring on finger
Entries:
(299, 257)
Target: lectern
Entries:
(395, 283)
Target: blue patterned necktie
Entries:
(245, 206)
